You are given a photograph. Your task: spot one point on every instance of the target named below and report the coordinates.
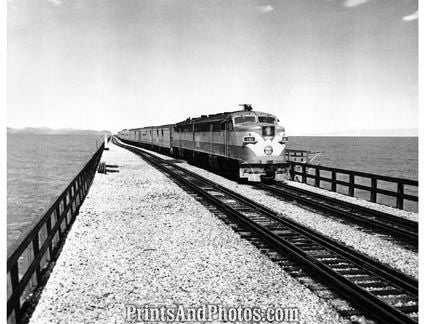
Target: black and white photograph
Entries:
(211, 161)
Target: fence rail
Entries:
(34, 249)
(303, 170)
(296, 155)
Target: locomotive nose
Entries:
(268, 130)
(268, 150)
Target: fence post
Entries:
(351, 187)
(400, 194)
(80, 191)
(71, 202)
(84, 183)
(291, 171)
(49, 230)
(36, 251)
(58, 216)
(373, 185)
(317, 178)
(75, 198)
(14, 280)
(65, 204)
(304, 176)
(334, 181)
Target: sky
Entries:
(321, 66)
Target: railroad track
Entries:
(401, 229)
(375, 290)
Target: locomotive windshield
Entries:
(244, 119)
(266, 119)
(255, 119)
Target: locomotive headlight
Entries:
(268, 131)
(268, 150)
(283, 140)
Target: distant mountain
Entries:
(371, 133)
(51, 131)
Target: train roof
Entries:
(222, 116)
(212, 117)
(138, 128)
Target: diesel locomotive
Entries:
(245, 143)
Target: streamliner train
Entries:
(246, 143)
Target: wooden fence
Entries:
(295, 155)
(315, 172)
(35, 248)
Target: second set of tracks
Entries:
(400, 229)
(374, 289)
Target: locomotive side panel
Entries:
(185, 138)
(209, 138)
(218, 143)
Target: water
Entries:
(390, 156)
(39, 167)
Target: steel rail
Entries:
(400, 228)
(389, 273)
(360, 297)
(366, 210)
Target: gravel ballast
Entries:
(361, 202)
(140, 239)
(354, 200)
(373, 245)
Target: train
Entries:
(246, 144)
